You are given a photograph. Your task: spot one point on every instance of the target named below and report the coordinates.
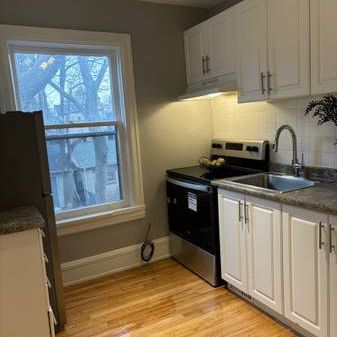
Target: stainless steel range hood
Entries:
(209, 89)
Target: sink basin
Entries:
(274, 182)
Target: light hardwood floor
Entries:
(160, 300)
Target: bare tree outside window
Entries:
(72, 90)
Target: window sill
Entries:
(99, 220)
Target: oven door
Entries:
(191, 212)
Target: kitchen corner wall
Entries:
(260, 120)
(172, 134)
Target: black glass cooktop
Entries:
(202, 175)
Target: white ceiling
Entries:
(192, 3)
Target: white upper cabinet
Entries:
(194, 54)
(251, 49)
(232, 239)
(323, 46)
(209, 48)
(263, 227)
(333, 276)
(272, 49)
(220, 44)
(305, 241)
(288, 48)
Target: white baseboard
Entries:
(117, 260)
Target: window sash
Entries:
(103, 207)
(116, 84)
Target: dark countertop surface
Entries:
(322, 197)
(19, 219)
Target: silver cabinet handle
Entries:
(208, 68)
(203, 61)
(269, 75)
(331, 231)
(246, 216)
(320, 241)
(240, 214)
(263, 89)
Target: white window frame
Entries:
(19, 38)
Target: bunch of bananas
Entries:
(212, 164)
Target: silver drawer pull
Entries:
(263, 89)
(331, 231)
(247, 215)
(269, 76)
(240, 214)
(203, 61)
(208, 68)
(320, 240)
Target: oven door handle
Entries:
(196, 187)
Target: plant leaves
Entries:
(325, 109)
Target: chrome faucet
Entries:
(296, 165)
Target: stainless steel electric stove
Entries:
(193, 207)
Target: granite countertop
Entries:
(322, 197)
(19, 219)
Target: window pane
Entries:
(84, 167)
(67, 88)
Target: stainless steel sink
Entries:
(273, 182)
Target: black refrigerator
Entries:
(25, 180)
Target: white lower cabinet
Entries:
(284, 257)
(263, 223)
(233, 239)
(24, 302)
(250, 246)
(333, 276)
(305, 266)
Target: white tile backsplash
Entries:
(260, 120)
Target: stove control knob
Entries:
(252, 149)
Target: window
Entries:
(82, 86)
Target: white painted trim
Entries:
(99, 220)
(117, 260)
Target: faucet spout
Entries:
(295, 163)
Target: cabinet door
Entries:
(251, 37)
(333, 278)
(194, 52)
(305, 269)
(288, 48)
(232, 239)
(24, 297)
(220, 40)
(323, 46)
(264, 252)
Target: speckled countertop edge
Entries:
(322, 197)
(19, 219)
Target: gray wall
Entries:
(171, 134)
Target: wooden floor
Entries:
(160, 300)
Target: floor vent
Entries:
(239, 293)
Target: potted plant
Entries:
(324, 108)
